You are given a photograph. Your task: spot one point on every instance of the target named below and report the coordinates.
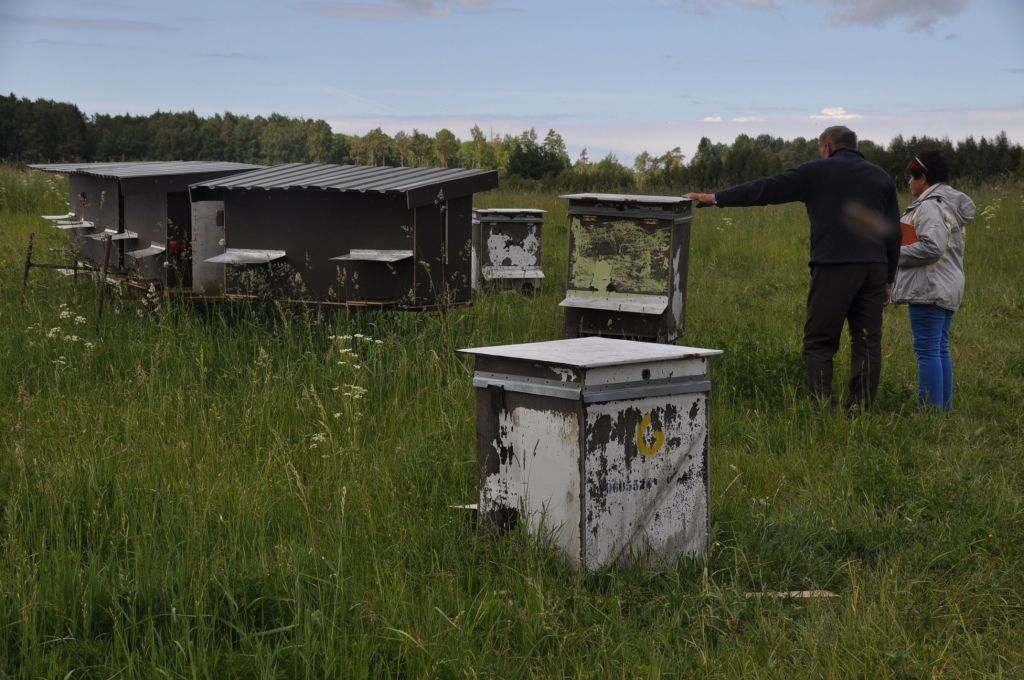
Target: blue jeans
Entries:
(930, 326)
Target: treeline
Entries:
(44, 131)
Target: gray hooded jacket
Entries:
(931, 271)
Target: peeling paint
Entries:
(678, 289)
(504, 250)
(564, 374)
(619, 255)
(639, 503)
(539, 474)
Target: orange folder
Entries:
(909, 234)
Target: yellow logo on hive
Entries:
(654, 448)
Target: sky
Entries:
(609, 76)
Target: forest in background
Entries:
(44, 131)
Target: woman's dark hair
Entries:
(931, 164)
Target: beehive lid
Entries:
(592, 352)
(509, 211)
(626, 198)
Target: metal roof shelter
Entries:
(343, 234)
(628, 263)
(143, 207)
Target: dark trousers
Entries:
(854, 294)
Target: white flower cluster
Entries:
(59, 333)
(348, 350)
(66, 313)
(355, 336)
(988, 213)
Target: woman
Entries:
(930, 277)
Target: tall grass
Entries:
(266, 491)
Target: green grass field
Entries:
(232, 492)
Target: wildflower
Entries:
(66, 314)
(52, 333)
(89, 346)
(80, 320)
(378, 342)
(337, 415)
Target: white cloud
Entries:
(85, 26)
(747, 119)
(919, 15)
(387, 10)
(712, 119)
(835, 113)
(707, 7)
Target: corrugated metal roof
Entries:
(144, 168)
(325, 176)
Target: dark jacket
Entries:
(851, 204)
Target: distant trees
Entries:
(41, 129)
(48, 131)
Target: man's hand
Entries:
(705, 199)
(887, 300)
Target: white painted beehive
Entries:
(600, 444)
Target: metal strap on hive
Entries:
(153, 249)
(56, 218)
(592, 394)
(504, 272)
(373, 255)
(634, 304)
(246, 256)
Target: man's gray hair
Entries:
(839, 136)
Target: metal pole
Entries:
(28, 265)
(103, 284)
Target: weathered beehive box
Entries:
(599, 443)
(507, 247)
(143, 207)
(628, 260)
(341, 234)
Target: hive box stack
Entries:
(506, 247)
(599, 443)
(628, 260)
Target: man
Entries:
(855, 247)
